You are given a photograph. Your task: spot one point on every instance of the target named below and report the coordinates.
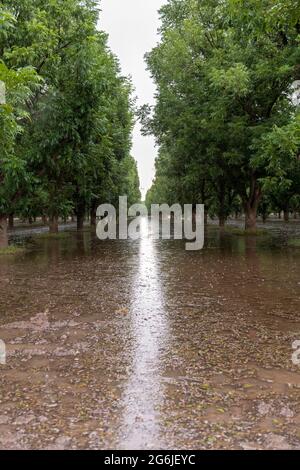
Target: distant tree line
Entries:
(65, 128)
(226, 120)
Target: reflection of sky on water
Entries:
(144, 392)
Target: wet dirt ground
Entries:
(142, 345)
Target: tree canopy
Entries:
(66, 126)
(225, 122)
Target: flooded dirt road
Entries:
(142, 345)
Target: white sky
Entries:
(132, 26)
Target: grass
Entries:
(12, 250)
(294, 243)
(52, 236)
(245, 233)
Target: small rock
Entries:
(287, 412)
(4, 419)
(26, 419)
(277, 442)
(264, 408)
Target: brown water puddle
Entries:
(144, 345)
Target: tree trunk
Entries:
(3, 232)
(93, 217)
(222, 221)
(251, 216)
(93, 213)
(44, 220)
(251, 204)
(11, 221)
(222, 206)
(80, 221)
(80, 213)
(53, 224)
(286, 215)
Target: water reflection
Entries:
(201, 337)
(144, 392)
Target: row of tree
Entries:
(67, 118)
(226, 118)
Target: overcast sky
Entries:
(132, 26)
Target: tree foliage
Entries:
(66, 126)
(224, 71)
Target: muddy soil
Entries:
(142, 345)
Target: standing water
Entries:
(124, 344)
(144, 392)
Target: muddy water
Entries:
(142, 345)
